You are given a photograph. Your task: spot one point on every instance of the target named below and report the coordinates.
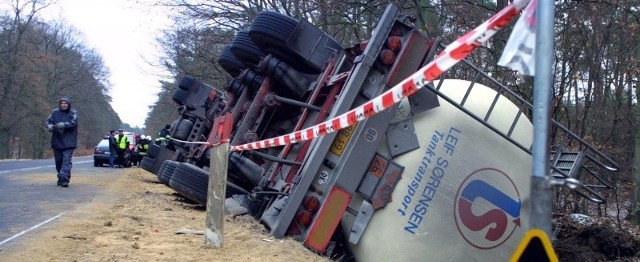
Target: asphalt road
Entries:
(27, 203)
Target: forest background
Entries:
(595, 86)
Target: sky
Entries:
(123, 32)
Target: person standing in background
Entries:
(142, 146)
(63, 125)
(122, 142)
(113, 153)
(163, 136)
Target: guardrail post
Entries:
(219, 157)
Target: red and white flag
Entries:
(519, 54)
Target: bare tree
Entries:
(40, 62)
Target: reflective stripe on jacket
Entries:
(142, 147)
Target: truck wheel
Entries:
(153, 151)
(180, 96)
(186, 83)
(183, 129)
(245, 50)
(166, 171)
(96, 163)
(235, 87)
(147, 163)
(191, 182)
(270, 32)
(229, 62)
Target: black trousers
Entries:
(120, 156)
(63, 163)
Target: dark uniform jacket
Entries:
(113, 146)
(66, 138)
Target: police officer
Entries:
(123, 145)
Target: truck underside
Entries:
(446, 171)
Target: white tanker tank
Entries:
(463, 195)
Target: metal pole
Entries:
(216, 190)
(542, 91)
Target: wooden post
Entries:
(219, 157)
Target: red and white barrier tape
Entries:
(453, 54)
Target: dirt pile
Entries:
(597, 240)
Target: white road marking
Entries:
(31, 228)
(38, 167)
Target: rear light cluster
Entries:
(392, 47)
(303, 218)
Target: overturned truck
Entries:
(444, 173)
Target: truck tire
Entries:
(270, 32)
(160, 170)
(153, 151)
(229, 62)
(166, 171)
(183, 129)
(245, 50)
(235, 87)
(191, 182)
(180, 96)
(186, 83)
(147, 163)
